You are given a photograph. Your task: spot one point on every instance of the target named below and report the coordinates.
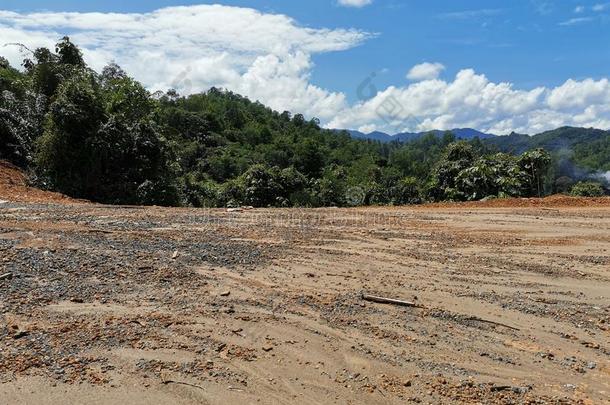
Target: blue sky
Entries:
(527, 43)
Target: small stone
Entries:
(520, 390)
(267, 348)
(225, 293)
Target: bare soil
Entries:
(106, 305)
(14, 187)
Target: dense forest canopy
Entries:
(103, 136)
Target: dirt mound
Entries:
(554, 201)
(14, 187)
(11, 174)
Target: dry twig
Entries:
(390, 301)
(382, 300)
(183, 383)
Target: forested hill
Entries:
(102, 136)
(588, 148)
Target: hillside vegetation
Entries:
(588, 149)
(104, 137)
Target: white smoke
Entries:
(603, 176)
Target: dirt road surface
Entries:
(106, 305)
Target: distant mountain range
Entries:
(564, 138)
(460, 133)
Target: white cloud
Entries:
(542, 7)
(268, 57)
(576, 21)
(471, 100)
(425, 71)
(265, 56)
(579, 9)
(601, 7)
(578, 95)
(471, 14)
(355, 3)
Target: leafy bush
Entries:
(563, 184)
(331, 190)
(262, 186)
(406, 191)
(535, 164)
(587, 189)
(493, 175)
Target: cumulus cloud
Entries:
(268, 57)
(578, 95)
(425, 71)
(472, 100)
(265, 56)
(355, 3)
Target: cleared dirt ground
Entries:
(105, 305)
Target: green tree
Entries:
(563, 184)
(68, 53)
(494, 175)
(262, 186)
(21, 116)
(102, 144)
(535, 164)
(331, 189)
(458, 156)
(309, 157)
(65, 152)
(406, 191)
(48, 70)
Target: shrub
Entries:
(406, 192)
(563, 184)
(587, 189)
